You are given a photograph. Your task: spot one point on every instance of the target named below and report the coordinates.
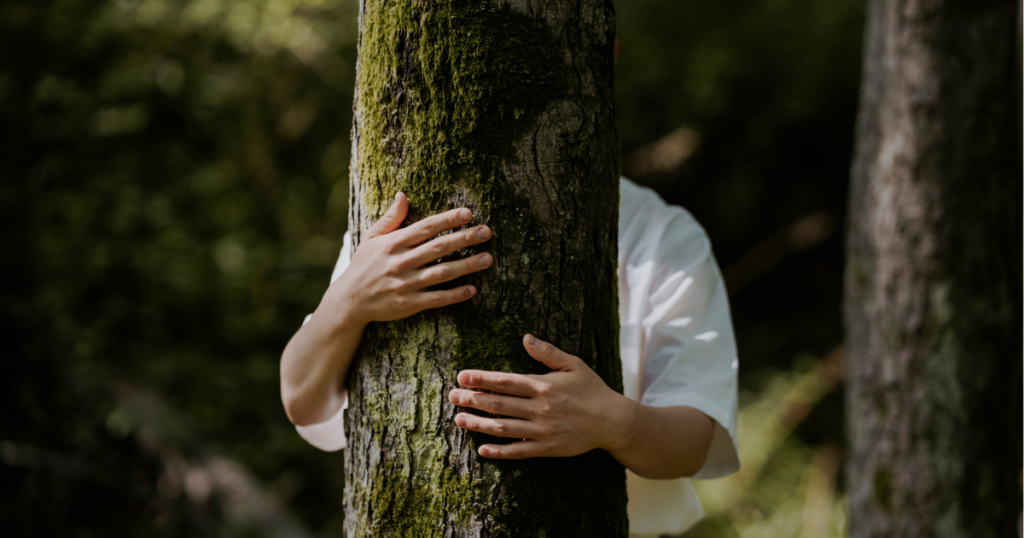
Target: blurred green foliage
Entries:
(175, 191)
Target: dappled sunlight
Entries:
(707, 337)
(785, 488)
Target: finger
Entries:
(431, 226)
(551, 356)
(503, 382)
(512, 451)
(444, 272)
(498, 404)
(392, 218)
(437, 299)
(498, 427)
(446, 244)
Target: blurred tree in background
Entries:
(174, 195)
(933, 280)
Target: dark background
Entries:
(173, 196)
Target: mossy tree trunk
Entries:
(505, 108)
(933, 283)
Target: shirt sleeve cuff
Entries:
(723, 454)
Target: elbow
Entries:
(683, 466)
(696, 463)
(690, 471)
(303, 411)
(300, 416)
(300, 421)
(296, 407)
(693, 464)
(297, 410)
(308, 397)
(296, 415)
(296, 418)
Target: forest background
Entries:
(175, 190)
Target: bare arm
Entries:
(570, 411)
(663, 442)
(386, 280)
(314, 366)
(563, 413)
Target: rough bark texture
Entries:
(505, 108)
(933, 284)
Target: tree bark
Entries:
(504, 107)
(933, 284)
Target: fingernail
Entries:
(461, 421)
(485, 260)
(470, 291)
(453, 398)
(530, 340)
(484, 451)
(465, 215)
(484, 233)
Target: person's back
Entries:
(676, 418)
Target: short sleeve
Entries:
(330, 435)
(343, 260)
(688, 352)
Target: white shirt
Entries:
(676, 344)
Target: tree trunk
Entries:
(505, 108)
(933, 284)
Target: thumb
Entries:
(551, 356)
(392, 219)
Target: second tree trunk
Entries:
(933, 313)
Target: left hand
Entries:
(565, 412)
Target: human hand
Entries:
(386, 279)
(565, 412)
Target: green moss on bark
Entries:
(447, 84)
(476, 104)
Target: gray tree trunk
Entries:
(933, 284)
(505, 108)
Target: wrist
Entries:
(622, 417)
(338, 310)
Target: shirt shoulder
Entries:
(677, 343)
(652, 230)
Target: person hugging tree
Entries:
(676, 420)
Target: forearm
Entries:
(315, 364)
(387, 278)
(662, 442)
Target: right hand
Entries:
(386, 279)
